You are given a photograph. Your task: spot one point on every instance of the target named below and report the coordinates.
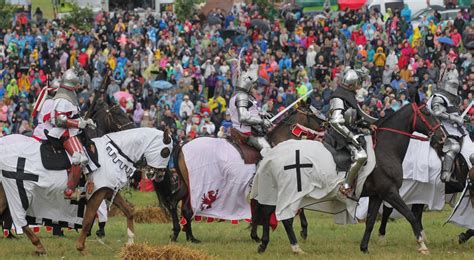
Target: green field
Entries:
(45, 5)
(226, 241)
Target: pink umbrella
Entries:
(122, 94)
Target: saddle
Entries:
(55, 158)
(249, 154)
(341, 155)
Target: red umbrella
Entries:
(351, 4)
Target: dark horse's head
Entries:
(413, 118)
(108, 119)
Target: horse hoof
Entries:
(195, 241)
(424, 251)
(256, 239)
(303, 235)
(40, 252)
(297, 249)
(364, 250)
(100, 233)
(261, 249)
(462, 238)
(381, 239)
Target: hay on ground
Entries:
(168, 252)
(143, 215)
(151, 215)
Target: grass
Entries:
(45, 5)
(225, 241)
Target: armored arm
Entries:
(337, 120)
(242, 103)
(63, 121)
(438, 106)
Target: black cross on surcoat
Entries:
(298, 168)
(21, 176)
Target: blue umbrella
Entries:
(160, 84)
(446, 40)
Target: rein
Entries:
(416, 112)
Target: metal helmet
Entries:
(350, 79)
(70, 80)
(246, 81)
(450, 87)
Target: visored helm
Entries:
(246, 81)
(350, 79)
(451, 87)
(70, 80)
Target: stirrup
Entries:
(347, 192)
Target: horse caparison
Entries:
(386, 179)
(108, 120)
(281, 132)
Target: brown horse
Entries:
(169, 199)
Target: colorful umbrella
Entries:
(446, 40)
(122, 94)
(160, 84)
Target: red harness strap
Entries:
(416, 113)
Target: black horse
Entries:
(460, 173)
(108, 119)
(391, 139)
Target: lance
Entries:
(290, 106)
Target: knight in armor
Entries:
(42, 110)
(347, 121)
(444, 104)
(245, 115)
(67, 125)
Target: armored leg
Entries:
(451, 149)
(259, 142)
(75, 149)
(359, 157)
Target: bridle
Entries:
(113, 120)
(416, 113)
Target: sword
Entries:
(467, 109)
(290, 106)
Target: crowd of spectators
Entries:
(298, 53)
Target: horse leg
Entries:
(176, 226)
(386, 212)
(464, 237)
(34, 240)
(397, 203)
(91, 210)
(304, 225)
(290, 232)
(417, 210)
(128, 212)
(374, 205)
(267, 212)
(188, 215)
(256, 214)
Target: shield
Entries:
(446, 40)
(260, 24)
(160, 84)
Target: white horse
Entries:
(34, 194)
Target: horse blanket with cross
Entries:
(21, 175)
(302, 174)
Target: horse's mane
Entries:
(384, 120)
